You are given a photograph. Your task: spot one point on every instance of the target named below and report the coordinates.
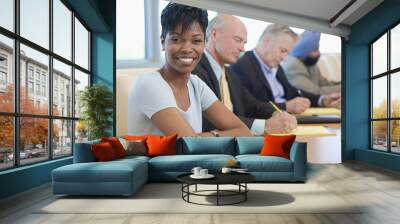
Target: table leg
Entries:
(217, 194)
(188, 192)
(245, 191)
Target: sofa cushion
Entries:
(136, 137)
(83, 153)
(129, 159)
(116, 145)
(103, 152)
(257, 163)
(117, 177)
(185, 163)
(111, 171)
(249, 145)
(277, 145)
(134, 147)
(207, 145)
(161, 145)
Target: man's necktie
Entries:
(224, 89)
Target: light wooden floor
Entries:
(378, 188)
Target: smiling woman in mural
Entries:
(172, 100)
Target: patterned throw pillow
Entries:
(134, 147)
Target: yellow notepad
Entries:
(316, 131)
(315, 111)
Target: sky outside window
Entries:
(35, 21)
(379, 56)
(81, 45)
(395, 47)
(7, 14)
(62, 29)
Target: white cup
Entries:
(226, 170)
(196, 170)
(203, 172)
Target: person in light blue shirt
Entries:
(261, 73)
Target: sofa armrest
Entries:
(298, 155)
(83, 152)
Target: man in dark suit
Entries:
(226, 36)
(260, 72)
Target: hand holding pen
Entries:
(280, 122)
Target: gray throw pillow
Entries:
(134, 147)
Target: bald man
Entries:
(225, 39)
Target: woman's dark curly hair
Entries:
(175, 14)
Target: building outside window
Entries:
(30, 72)
(43, 90)
(3, 78)
(44, 77)
(37, 74)
(3, 61)
(38, 89)
(3, 71)
(30, 87)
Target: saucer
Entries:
(208, 176)
(240, 171)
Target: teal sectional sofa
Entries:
(125, 176)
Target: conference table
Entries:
(323, 148)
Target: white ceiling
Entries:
(317, 15)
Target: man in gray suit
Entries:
(301, 66)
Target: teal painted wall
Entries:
(356, 104)
(103, 64)
(104, 53)
(379, 159)
(100, 16)
(24, 178)
(356, 85)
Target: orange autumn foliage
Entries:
(33, 130)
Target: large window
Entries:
(385, 94)
(40, 80)
(130, 30)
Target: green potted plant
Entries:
(96, 102)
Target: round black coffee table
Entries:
(238, 179)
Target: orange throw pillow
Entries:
(103, 152)
(275, 145)
(161, 145)
(135, 137)
(116, 145)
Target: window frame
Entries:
(388, 74)
(152, 40)
(16, 115)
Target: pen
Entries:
(276, 108)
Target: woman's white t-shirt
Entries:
(151, 93)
